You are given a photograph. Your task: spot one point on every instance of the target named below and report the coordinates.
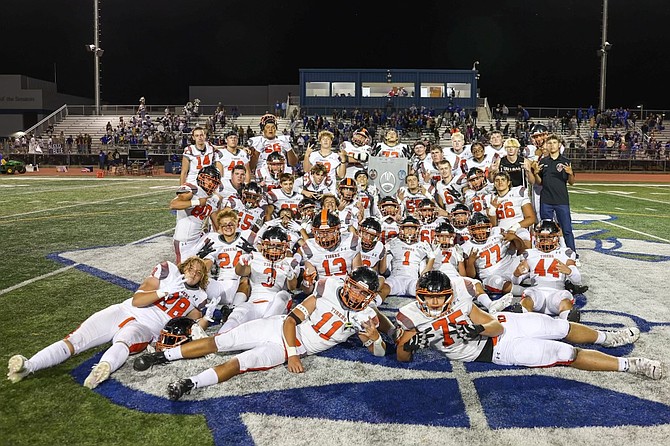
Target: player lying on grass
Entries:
(337, 309)
(170, 291)
(443, 318)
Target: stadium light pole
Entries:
(97, 54)
(604, 48)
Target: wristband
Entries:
(195, 202)
(378, 347)
(291, 351)
(369, 342)
(161, 294)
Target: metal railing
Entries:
(53, 118)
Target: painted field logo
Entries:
(349, 396)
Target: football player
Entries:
(390, 210)
(315, 183)
(391, 147)
(232, 155)
(411, 195)
(448, 255)
(510, 207)
(427, 215)
(459, 217)
(407, 256)
(331, 252)
(269, 142)
(338, 309)
(367, 194)
(444, 318)
(268, 176)
(478, 191)
(271, 276)
(251, 208)
(283, 197)
(198, 156)
(194, 203)
(335, 163)
(548, 265)
(358, 151)
(170, 291)
(373, 252)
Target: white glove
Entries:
(457, 252)
(197, 332)
(210, 307)
(170, 286)
(294, 226)
(245, 259)
(515, 227)
(285, 265)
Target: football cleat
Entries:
(16, 369)
(574, 315)
(621, 337)
(179, 388)
(100, 373)
(149, 360)
(647, 367)
(499, 305)
(516, 308)
(576, 289)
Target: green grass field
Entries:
(40, 216)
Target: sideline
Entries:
(74, 265)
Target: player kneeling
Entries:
(337, 309)
(463, 332)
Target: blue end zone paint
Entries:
(570, 404)
(613, 250)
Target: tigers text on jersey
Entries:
(331, 323)
(406, 259)
(508, 211)
(198, 159)
(267, 278)
(156, 315)
(411, 317)
(230, 160)
(543, 267)
(372, 257)
(190, 221)
(264, 146)
(335, 262)
(492, 255)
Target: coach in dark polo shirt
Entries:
(554, 172)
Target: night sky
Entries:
(535, 53)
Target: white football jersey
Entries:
(478, 201)
(230, 160)
(543, 269)
(192, 221)
(352, 150)
(372, 257)
(331, 161)
(264, 146)
(266, 180)
(198, 159)
(451, 192)
(406, 259)
(390, 229)
(411, 200)
(225, 255)
(493, 255)
(280, 200)
(327, 186)
(508, 211)
(331, 323)
(332, 262)
(267, 278)
(397, 151)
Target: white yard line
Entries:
(627, 184)
(622, 195)
(590, 209)
(651, 209)
(80, 204)
(635, 231)
(66, 268)
(620, 209)
(470, 397)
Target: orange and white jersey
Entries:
(331, 161)
(225, 255)
(447, 260)
(349, 216)
(250, 219)
(372, 257)
(390, 229)
(427, 230)
(353, 151)
(306, 182)
(406, 259)
(267, 278)
(543, 267)
(229, 160)
(331, 323)
(397, 151)
(484, 164)
(198, 159)
(191, 221)
(156, 315)
(410, 317)
(493, 256)
(450, 192)
(264, 146)
(369, 200)
(266, 180)
(478, 201)
(411, 200)
(457, 161)
(281, 200)
(332, 262)
(508, 211)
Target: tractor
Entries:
(12, 166)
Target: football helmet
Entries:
(361, 138)
(251, 195)
(547, 235)
(177, 331)
(268, 119)
(307, 208)
(409, 230)
(476, 179)
(209, 179)
(426, 211)
(388, 206)
(326, 228)
(434, 284)
(274, 243)
(460, 215)
(445, 234)
(276, 164)
(479, 227)
(347, 189)
(370, 229)
(539, 129)
(360, 288)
